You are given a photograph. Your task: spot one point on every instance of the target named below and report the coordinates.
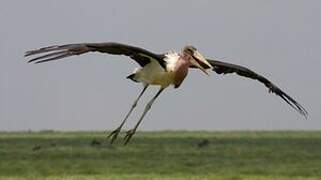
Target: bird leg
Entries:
(131, 132)
(115, 132)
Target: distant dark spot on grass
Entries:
(36, 148)
(95, 142)
(203, 143)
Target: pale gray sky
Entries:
(278, 39)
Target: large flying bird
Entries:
(157, 69)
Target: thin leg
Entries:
(131, 132)
(115, 133)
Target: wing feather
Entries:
(226, 68)
(50, 53)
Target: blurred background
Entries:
(278, 39)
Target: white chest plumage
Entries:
(171, 60)
(154, 74)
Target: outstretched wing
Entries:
(141, 56)
(225, 68)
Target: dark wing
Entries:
(141, 56)
(225, 68)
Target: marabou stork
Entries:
(157, 69)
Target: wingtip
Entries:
(27, 53)
(306, 115)
(303, 112)
(30, 61)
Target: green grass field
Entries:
(161, 155)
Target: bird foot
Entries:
(129, 135)
(114, 134)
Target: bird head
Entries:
(196, 58)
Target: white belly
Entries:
(154, 74)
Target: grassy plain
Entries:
(254, 155)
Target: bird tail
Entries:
(132, 77)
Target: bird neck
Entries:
(184, 60)
(181, 70)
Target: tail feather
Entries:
(132, 77)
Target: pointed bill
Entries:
(199, 59)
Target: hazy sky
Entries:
(278, 39)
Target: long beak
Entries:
(199, 59)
